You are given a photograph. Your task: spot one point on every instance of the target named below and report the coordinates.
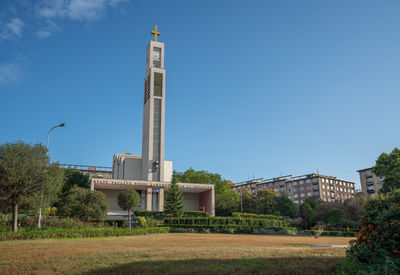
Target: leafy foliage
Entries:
(84, 204)
(127, 200)
(248, 201)
(74, 178)
(266, 201)
(174, 202)
(226, 199)
(22, 173)
(286, 207)
(377, 248)
(73, 233)
(388, 166)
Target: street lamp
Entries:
(47, 147)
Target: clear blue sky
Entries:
(254, 88)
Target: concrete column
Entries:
(161, 200)
(149, 198)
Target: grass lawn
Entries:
(173, 253)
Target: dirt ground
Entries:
(174, 253)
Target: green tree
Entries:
(286, 206)
(226, 200)
(266, 201)
(22, 173)
(84, 204)
(335, 216)
(307, 214)
(248, 200)
(354, 208)
(193, 176)
(174, 202)
(73, 178)
(52, 185)
(127, 200)
(388, 166)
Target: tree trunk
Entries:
(129, 219)
(15, 217)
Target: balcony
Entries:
(371, 191)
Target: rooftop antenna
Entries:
(317, 171)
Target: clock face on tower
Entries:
(156, 55)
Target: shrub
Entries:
(88, 233)
(377, 248)
(255, 216)
(141, 221)
(153, 214)
(196, 214)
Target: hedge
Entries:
(88, 233)
(334, 233)
(210, 221)
(160, 215)
(255, 216)
(233, 229)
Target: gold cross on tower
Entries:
(155, 32)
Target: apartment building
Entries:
(370, 183)
(298, 188)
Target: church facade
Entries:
(150, 174)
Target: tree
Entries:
(354, 208)
(193, 176)
(266, 201)
(388, 166)
(226, 200)
(73, 178)
(248, 201)
(52, 185)
(307, 214)
(286, 206)
(127, 200)
(335, 216)
(84, 204)
(174, 202)
(22, 173)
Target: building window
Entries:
(296, 195)
(308, 180)
(301, 188)
(302, 195)
(301, 182)
(294, 189)
(157, 57)
(309, 194)
(158, 83)
(308, 187)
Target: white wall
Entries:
(167, 170)
(191, 201)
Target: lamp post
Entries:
(41, 198)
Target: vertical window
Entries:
(158, 84)
(157, 57)
(157, 136)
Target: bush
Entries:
(196, 214)
(255, 216)
(377, 248)
(88, 233)
(225, 225)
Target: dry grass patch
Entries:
(173, 253)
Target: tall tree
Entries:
(335, 216)
(249, 201)
(73, 178)
(226, 200)
(174, 202)
(307, 214)
(84, 204)
(53, 183)
(127, 200)
(286, 207)
(22, 173)
(388, 166)
(354, 208)
(266, 201)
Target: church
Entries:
(149, 174)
